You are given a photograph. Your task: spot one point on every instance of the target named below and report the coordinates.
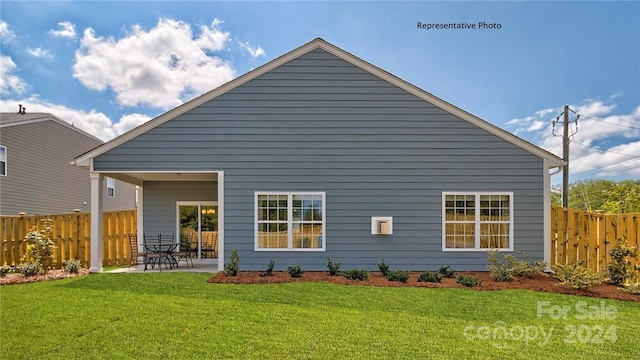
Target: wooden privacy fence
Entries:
(579, 235)
(71, 237)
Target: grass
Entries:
(180, 316)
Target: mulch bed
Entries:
(543, 283)
(51, 275)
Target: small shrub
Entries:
(468, 280)
(232, 268)
(5, 269)
(334, 268)
(295, 271)
(398, 275)
(632, 288)
(40, 247)
(72, 266)
(500, 270)
(430, 276)
(620, 270)
(576, 276)
(29, 268)
(447, 272)
(356, 274)
(527, 270)
(269, 271)
(509, 266)
(384, 268)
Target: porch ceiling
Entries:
(138, 177)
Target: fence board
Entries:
(71, 236)
(579, 235)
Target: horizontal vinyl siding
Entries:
(321, 124)
(160, 198)
(40, 178)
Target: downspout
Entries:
(547, 211)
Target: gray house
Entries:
(35, 175)
(320, 154)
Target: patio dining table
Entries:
(161, 253)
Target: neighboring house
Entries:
(36, 177)
(320, 154)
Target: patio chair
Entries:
(184, 253)
(135, 253)
(152, 246)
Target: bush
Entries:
(232, 268)
(40, 247)
(5, 269)
(72, 266)
(356, 274)
(447, 272)
(620, 266)
(509, 266)
(430, 276)
(632, 288)
(29, 268)
(527, 270)
(334, 268)
(468, 280)
(295, 271)
(384, 268)
(398, 275)
(269, 271)
(576, 276)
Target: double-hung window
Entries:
(111, 187)
(477, 221)
(3, 160)
(292, 221)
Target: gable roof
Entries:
(13, 119)
(84, 160)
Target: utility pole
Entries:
(565, 158)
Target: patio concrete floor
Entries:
(201, 265)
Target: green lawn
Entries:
(180, 316)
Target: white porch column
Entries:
(220, 221)
(140, 214)
(95, 261)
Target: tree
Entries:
(611, 196)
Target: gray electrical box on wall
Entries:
(381, 225)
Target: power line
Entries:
(606, 122)
(609, 151)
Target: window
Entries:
(290, 221)
(477, 221)
(111, 187)
(3, 160)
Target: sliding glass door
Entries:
(198, 226)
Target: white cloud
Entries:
(605, 144)
(6, 34)
(10, 83)
(93, 122)
(161, 68)
(67, 30)
(130, 121)
(253, 51)
(39, 52)
(211, 38)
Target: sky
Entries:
(109, 66)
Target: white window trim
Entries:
(5, 160)
(113, 181)
(290, 219)
(477, 222)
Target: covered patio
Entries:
(180, 203)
